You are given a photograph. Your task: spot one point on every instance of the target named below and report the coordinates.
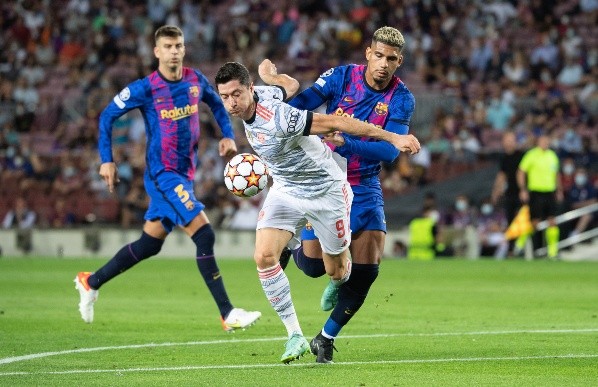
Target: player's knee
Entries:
(312, 267)
(265, 258)
(146, 246)
(204, 240)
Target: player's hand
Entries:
(109, 173)
(266, 69)
(406, 143)
(335, 138)
(227, 147)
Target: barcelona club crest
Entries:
(194, 91)
(381, 109)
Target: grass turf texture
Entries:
(452, 322)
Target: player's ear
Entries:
(400, 61)
(368, 52)
(156, 51)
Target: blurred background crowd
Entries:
(477, 68)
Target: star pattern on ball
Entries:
(232, 172)
(253, 180)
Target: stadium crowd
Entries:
(476, 68)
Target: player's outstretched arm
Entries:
(269, 74)
(324, 123)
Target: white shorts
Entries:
(329, 215)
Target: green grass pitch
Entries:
(439, 323)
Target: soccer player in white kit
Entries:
(308, 183)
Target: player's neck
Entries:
(171, 74)
(375, 85)
(250, 112)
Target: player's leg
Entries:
(148, 245)
(552, 233)
(202, 235)
(329, 217)
(366, 251)
(279, 217)
(308, 256)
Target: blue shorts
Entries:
(367, 213)
(172, 200)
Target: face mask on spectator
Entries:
(487, 209)
(461, 205)
(568, 169)
(10, 152)
(69, 172)
(581, 179)
(434, 215)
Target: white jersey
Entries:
(301, 165)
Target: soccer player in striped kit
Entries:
(370, 93)
(168, 100)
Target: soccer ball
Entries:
(245, 175)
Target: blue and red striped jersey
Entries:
(170, 112)
(346, 92)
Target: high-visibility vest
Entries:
(421, 239)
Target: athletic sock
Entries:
(351, 297)
(204, 239)
(552, 241)
(312, 267)
(520, 242)
(128, 256)
(278, 291)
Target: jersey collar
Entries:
(255, 99)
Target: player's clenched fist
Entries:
(406, 143)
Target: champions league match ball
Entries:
(245, 175)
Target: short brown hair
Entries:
(390, 36)
(167, 31)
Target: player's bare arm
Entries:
(324, 123)
(109, 173)
(269, 74)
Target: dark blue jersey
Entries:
(170, 112)
(346, 92)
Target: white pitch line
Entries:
(274, 365)
(14, 359)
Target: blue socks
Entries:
(313, 267)
(128, 256)
(351, 297)
(204, 239)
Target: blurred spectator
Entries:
(583, 193)
(505, 182)
(499, 112)
(460, 222)
(21, 216)
(70, 180)
(420, 162)
(491, 228)
(423, 233)
(134, 204)
(568, 171)
(465, 147)
(62, 216)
